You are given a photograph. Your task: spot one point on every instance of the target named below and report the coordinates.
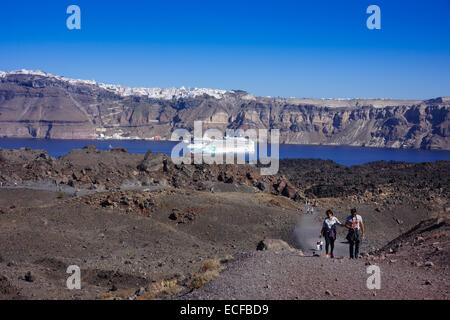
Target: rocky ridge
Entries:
(36, 104)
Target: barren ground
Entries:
(141, 227)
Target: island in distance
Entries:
(41, 105)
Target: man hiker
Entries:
(355, 227)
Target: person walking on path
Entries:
(354, 224)
(328, 231)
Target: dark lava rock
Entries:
(119, 150)
(106, 203)
(186, 215)
(272, 244)
(28, 277)
(289, 191)
(153, 162)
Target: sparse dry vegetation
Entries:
(154, 290)
(208, 271)
(116, 295)
(161, 288)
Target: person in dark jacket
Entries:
(328, 231)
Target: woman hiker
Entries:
(329, 232)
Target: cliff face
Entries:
(47, 107)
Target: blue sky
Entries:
(277, 48)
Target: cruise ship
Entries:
(225, 145)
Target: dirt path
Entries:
(71, 191)
(286, 275)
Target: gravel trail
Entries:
(287, 275)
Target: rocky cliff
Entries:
(35, 104)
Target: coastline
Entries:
(344, 155)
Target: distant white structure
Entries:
(157, 93)
(222, 146)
